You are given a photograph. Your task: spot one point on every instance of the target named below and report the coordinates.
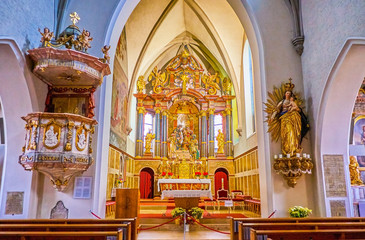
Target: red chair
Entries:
(223, 195)
(209, 202)
(237, 200)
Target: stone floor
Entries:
(177, 235)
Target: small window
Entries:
(82, 188)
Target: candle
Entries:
(304, 155)
(280, 155)
(275, 156)
(309, 156)
(222, 183)
(288, 155)
(298, 154)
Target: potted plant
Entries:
(170, 174)
(205, 175)
(120, 182)
(198, 174)
(299, 212)
(163, 174)
(178, 211)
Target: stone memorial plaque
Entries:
(334, 175)
(59, 211)
(338, 208)
(14, 203)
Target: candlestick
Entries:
(275, 156)
(298, 154)
(280, 155)
(288, 155)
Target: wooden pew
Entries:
(244, 232)
(92, 224)
(322, 234)
(22, 235)
(235, 222)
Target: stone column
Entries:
(157, 133)
(229, 143)
(140, 120)
(211, 134)
(164, 135)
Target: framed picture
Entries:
(359, 130)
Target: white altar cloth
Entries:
(186, 193)
(198, 181)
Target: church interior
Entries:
(182, 111)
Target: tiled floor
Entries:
(177, 235)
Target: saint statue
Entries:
(354, 172)
(148, 141)
(220, 139)
(193, 147)
(286, 119)
(172, 148)
(51, 139)
(82, 140)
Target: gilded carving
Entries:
(220, 139)
(141, 84)
(211, 83)
(158, 80)
(70, 126)
(91, 139)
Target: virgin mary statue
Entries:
(286, 119)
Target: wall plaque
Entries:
(334, 175)
(338, 208)
(14, 203)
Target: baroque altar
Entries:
(184, 98)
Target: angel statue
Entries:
(211, 83)
(105, 50)
(46, 37)
(84, 40)
(159, 80)
(286, 119)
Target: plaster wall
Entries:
(327, 27)
(277, 62)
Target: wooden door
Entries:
(220, 174)
(146, 182)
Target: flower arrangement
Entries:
(120, 181)
(195, 212)
(198, 174)
(299, 212)
(163, 174)
(205, 174)
(170, 174)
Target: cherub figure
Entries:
(84, 40)
(46, 36)
(105, 50)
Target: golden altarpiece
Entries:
(183, 99)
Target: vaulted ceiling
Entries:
(157, 29)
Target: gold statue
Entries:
(354, 171)
(286, 119)
(220, 139)
(159, 80)
(211, 83)
(141, 84)
(148, 141)
(46, 37)
(105, 51)
(193, 147)
(172, 146)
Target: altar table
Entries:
(185, 188)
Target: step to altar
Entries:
(191, 235)
(217, 224)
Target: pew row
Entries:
(128, 225)
(323, 234)
(236, 221)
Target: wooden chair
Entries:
(209, 202)
(223, 195)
